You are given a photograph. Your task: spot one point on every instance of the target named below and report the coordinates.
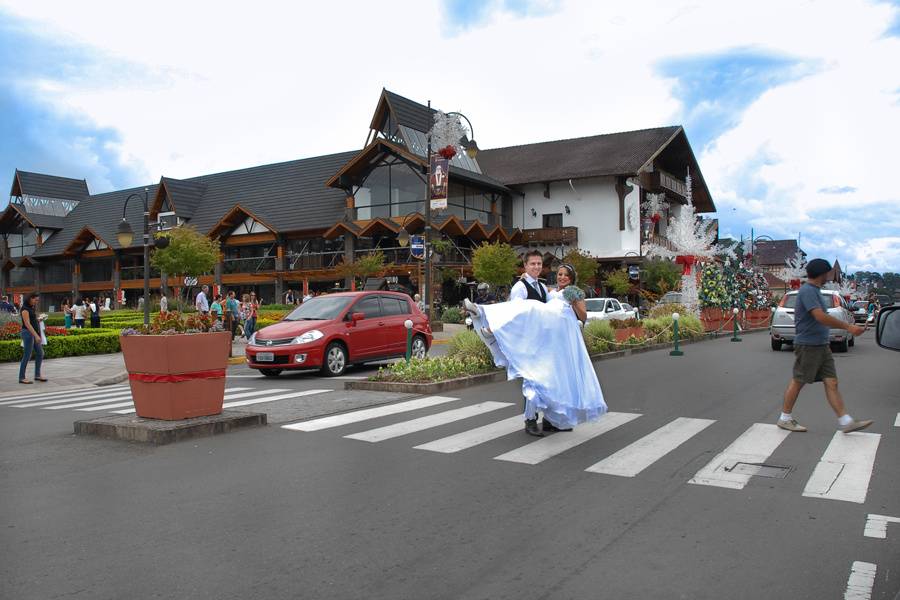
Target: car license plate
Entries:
(265, 357)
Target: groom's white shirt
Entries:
(520, 292)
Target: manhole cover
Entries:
(760, 470)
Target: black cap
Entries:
(817, 267)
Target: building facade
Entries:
(293, 225)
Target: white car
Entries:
(630, 311)
(782, 329)
(604, 309)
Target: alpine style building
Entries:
(292, 224)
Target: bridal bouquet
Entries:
(573, 294)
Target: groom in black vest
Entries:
(530, 288)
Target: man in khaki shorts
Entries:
(814, 361)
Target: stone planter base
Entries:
(623, 334)
(154, 431)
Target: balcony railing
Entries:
(248, 265)
(132, 273)
(302, 261)
(551, 235)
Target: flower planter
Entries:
(177, 377)
(756, 318)
(623, 334)
(712, 318)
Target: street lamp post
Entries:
(640, 289)
(125, 235)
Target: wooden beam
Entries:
(248, 239)
(623, 188)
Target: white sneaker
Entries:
(855, 425)
(791, 425)
(470, 307)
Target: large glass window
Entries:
(22, 244)
(21, 276)
(97, 270)
(390, 191)
(58, 272)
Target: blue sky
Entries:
(792, 111)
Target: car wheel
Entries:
(776, 345)
(335, 361)
(842, 346)
(270, 372)
(419, 349)
(852, 342)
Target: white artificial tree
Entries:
(692, 240)
(795, 268)
(446, 133)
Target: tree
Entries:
(585, 264)
(364, 266)
(660, 276)
(189, 253)
(618, 282)
(712, 287)
(495, 264)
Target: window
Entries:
(553, 220)
(394, 306)
(615, 305)
(390, 190)
(369, 306)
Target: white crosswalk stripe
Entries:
(258, 400)
(229, 395)
(844, 470)
(548, 447)
(474, 437)
(69, 394)
(897, 421)
(365, 414)
(633, 459)
(429, 422)
(107, 399)
(753, 446)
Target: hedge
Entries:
(98, 342)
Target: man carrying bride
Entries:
(537, 336)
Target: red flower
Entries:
(447, 152)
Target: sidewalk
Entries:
(76, 372)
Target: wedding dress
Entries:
(542, 344)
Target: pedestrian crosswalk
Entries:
(842, 473)
(117, 399)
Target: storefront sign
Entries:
(634, 272)
(417, 246)
(438, 179)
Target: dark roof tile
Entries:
(51, 186)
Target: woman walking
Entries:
(31, 339)
(94, 310)
(67, 313)
(542, 343)
(79, 312)
(252, 311)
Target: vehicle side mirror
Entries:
(357, 316)
(887, 328)
(610, 309)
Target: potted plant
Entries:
(176, 366)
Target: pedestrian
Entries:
(163, 302)
(233, 313)
(540, 341)
(79, 312)
(67, 313)
(31, 339)
(483, 294)
(252, 312)
(202, 301)
(6, 307)
(216, 308)
(289, 297)
(418, 300)
(94, 313)
(140, 305)
(813, 360)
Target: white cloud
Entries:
(228, 85)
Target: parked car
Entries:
(603, 309)
(630, 311)
(782, 329)
(860, 311)
(670, 298)
(331, 332)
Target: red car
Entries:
(333, 331)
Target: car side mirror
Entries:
(610, 309)
(357, 316)
(887, 328)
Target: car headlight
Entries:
(310, 336)
(253, 338)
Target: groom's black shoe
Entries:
(548, 427)
(531, 428)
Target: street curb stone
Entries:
(154, 431)
(500, 375)
(112, 379)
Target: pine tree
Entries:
(712, 291)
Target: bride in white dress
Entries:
(542, 344)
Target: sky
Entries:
(792, 108)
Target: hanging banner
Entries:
(417, 246)
(438, 180)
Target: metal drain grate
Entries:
(760, 470)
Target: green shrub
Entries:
(467, 343)
(664, 310)
(689, 327)
(598, 336)
(100, 342)
(283, 308)
(433, 369)
(452, 314)
(654, 327)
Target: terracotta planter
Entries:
(712, 318)
(177, 377)
(625, 333)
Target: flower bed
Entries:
(466, 355)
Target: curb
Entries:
(237, 360)
(500, 375)
(112, 379)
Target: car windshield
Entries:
(627, 306)
(320, 308)
(860, 304)
(790, 301)
(594, 304)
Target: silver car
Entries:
(782, 328)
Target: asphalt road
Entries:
(286, 513)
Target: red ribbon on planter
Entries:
(686, 260)
(655, 218)
(180, 377)
(795, 284)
